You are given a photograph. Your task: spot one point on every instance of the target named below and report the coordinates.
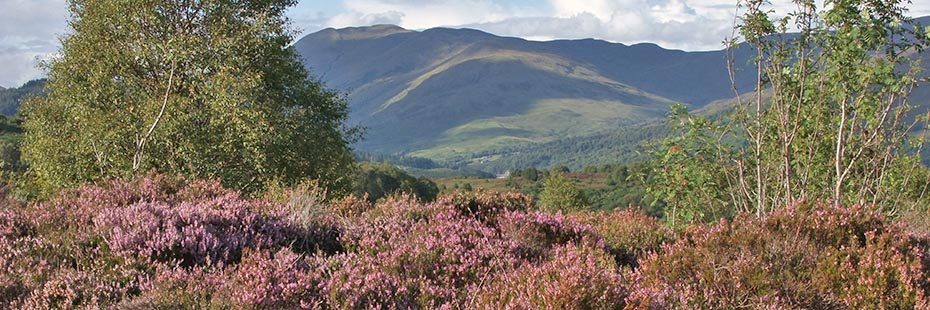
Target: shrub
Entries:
(377, 181)
(39, 274)
(281, 280)
(917, 221)
(560, 194)
(487, 206)
(174, 287)
(577, 277)
(168, 219)
(533, 234)
(630, 234)
(263, 280)
(197, 232)
(12, 222)
(71, 288)
(828, 257)
(351, 206)
(76, 208)
(399, 261)
(313, 225)
(402, 207)
(160, 242)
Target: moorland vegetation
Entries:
(181, 157)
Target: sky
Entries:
(29, 29)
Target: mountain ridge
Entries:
(446, 93)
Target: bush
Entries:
(154, 241)
(560, 194)
(377, 181)
(797, 257)
(426, 261)
(630, 234)
(314, 226)
(534, 234)
(36, 273)
(174, 287)
(401, 207)
(12, 222)
(351, 206)
(577, 277)
(487, 206)
(199, 232)
(69, 287)
(282, 280)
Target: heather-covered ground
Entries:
(160, 242)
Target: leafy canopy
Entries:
(200, 88)
(377, 181)
(559, 193)
(829, 120)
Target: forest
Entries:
(205, 167)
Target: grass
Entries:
(547, 121)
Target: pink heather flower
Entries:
(208, 231)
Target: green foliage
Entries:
(421, 167)
(604, 187)
(11, 166)
(560, 194)
(531, 174)
(204, 89)
(10, 137)
(624, 188)
(829, 119)
(679, 173)
(378, 181)
(617, 146)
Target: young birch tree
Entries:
(201, 88)
(828, 119)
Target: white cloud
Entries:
(670, 23)
(355, 18)
(684, 24)
(422, 14)
(29, 28)
(28, 31)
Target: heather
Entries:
(402, 262)
(165, 242)
(576, 277)
(804, 256)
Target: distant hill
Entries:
(467, 98)
(447, 94)
(11, 98)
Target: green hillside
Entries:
(467, 98)
(472, 100)
(11, 98)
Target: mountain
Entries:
(466, 98)
(11, 98)
(462, 94)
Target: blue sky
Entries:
(29, 28)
